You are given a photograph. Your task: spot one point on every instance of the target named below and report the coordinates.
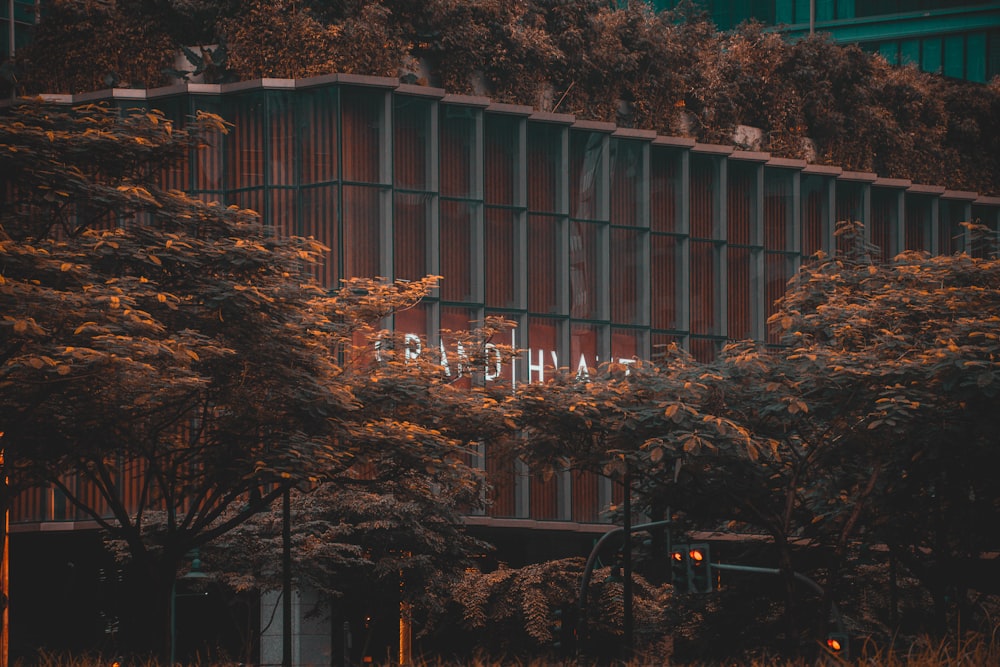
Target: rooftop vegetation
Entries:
(671, 72)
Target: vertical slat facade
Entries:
(602, 245)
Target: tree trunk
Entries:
(791, 617)
(146, 628)
(4, 571)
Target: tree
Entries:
(815, 422)
(640, 416)
(167, 363)
(369, 552)
(388, 531)
(650, 427)
(519, 606)
(921, 335)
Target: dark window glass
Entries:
(411, 154)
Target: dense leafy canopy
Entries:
(873, 425)
(174, 358)
(169, 364)
(920, 336)
(389, 527)
(670, 72)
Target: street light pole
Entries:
(11, 36)
(286, 578)
(588, 569)
(194, 573)
(5, 554)
(627, 565)
(173, 622)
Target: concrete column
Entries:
(311, 644)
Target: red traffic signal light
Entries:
(680, 573)
(700, 567)
(838, 644)
(691, 568)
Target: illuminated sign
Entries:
(457, 362)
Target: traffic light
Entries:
(562, 627)
(557, 627)
(700, 567)
(839, 644)
(680, 576)
(691, 568)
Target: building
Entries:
(16, 19)
(601, 242)
(956, 38)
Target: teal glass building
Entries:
(956, 38)
(16, 19)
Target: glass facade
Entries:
(16, 19)
(601, 243)
(956, 38)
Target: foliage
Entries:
(518, 606)
(371, 542)
(388, 527)
(158, 347)
(670, 72)
(92, 45)
(171, 355)
(873, 424)
(919, 334)
(281, 40)
(639, 417)
(745, 87)
(971, 649)
(268, 39)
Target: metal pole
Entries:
(5, 577)
(10, 32)
(812, 17)
(627, 566)
(405, 635)
(346, 633)
(173, 621)
(838, 619)
(5, 566)
(286, 579)
(588, 569)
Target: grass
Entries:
(970, 651)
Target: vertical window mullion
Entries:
(385, 193)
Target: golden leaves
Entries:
(23, 326)
(694, 443)
(796, 406)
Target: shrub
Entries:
(94, 44)
(670, 72)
